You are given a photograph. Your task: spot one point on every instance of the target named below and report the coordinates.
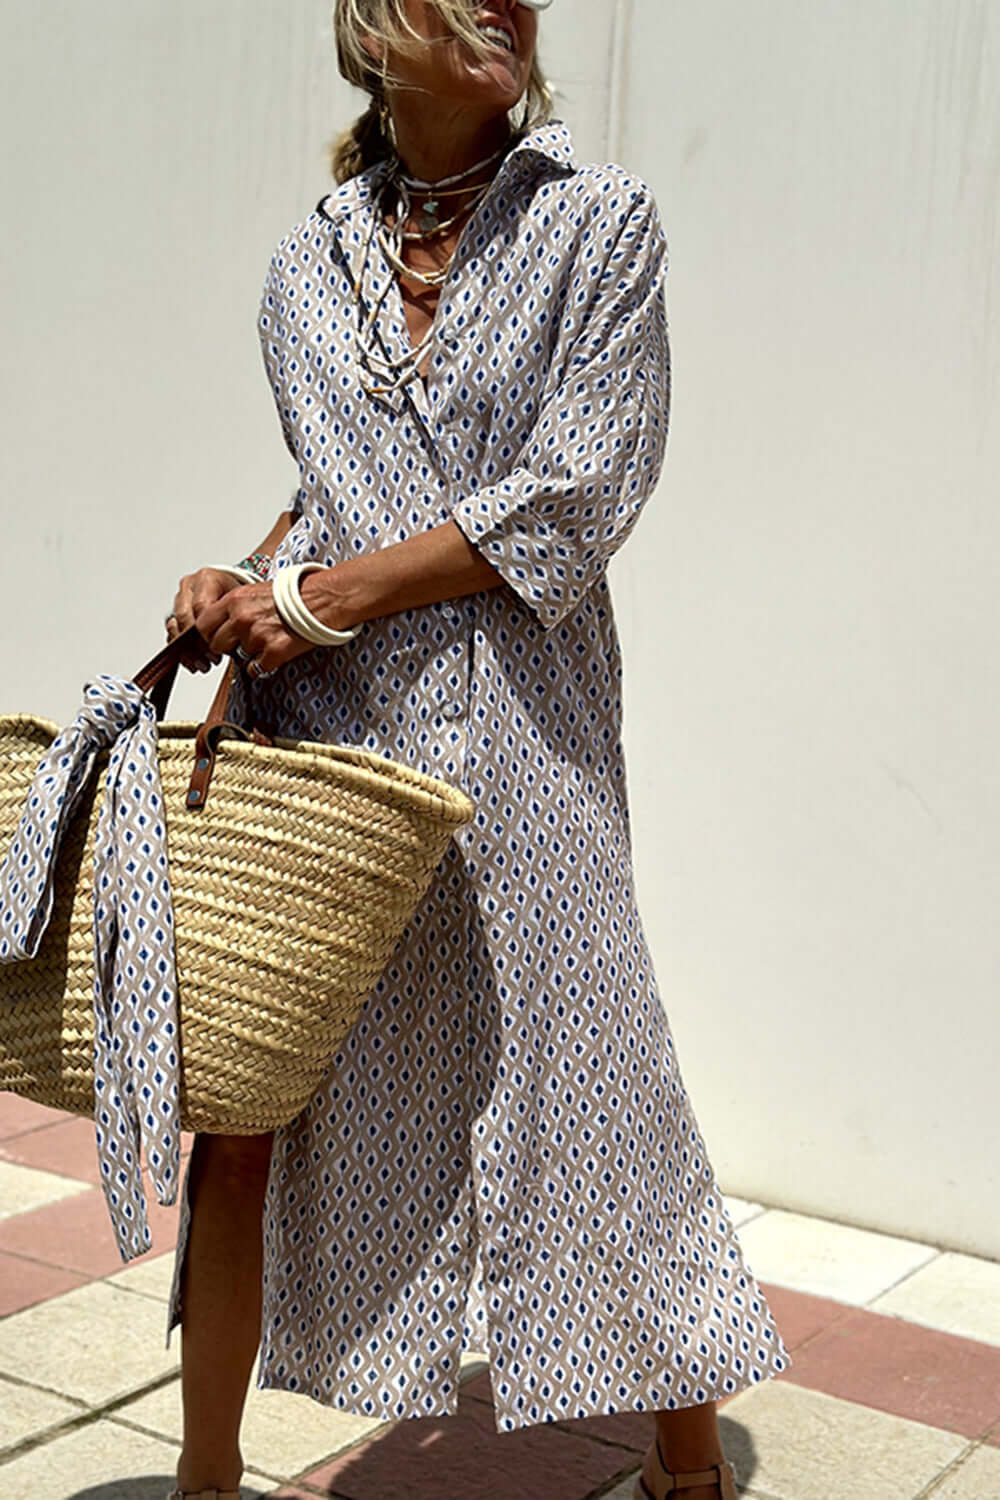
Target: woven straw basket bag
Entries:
(292, 883)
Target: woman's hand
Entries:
(197, 592)
(245, 617)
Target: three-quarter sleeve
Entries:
(596, 451)
(273, 335)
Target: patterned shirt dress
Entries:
(502, 1156)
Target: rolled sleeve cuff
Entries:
(530, 556)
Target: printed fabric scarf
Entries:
(135, 984)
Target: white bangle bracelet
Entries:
(296, 616)
(238, 575)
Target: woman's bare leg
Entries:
(689, 1439)
(221, 1304)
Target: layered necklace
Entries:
(401, 199)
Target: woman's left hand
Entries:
(246, 618)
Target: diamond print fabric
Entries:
(503, 1154)
(135, 985)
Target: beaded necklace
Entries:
(379, 373)
(432, 191)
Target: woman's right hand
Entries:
(196, 593)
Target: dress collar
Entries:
(549, 142)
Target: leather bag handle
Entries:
(157, 678)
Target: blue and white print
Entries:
(136, 1103)
(502, 1155)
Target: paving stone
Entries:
(25, 1282)
(623, 1491)
(150, 1276)
(26, 1413)
(826, 1259)
(976, 1477)
(898, 1367)
(76, 1233)
(954, 1293)
(741, 1210)
(472, 1364)
(93, 1344)
(68, 1147)
(789, 1443)
(102, 1461)
(631, 1430)
(20, 1115)
(432, 1458)
(799, 1315)
(23, 1189)
(282, 1434)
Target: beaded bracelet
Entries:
(259, 564)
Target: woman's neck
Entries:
(432, 146)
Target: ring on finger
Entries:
(255, 671)
(240, 654)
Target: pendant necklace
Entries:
(432, 192)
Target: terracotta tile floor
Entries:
(894, 1393)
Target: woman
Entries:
(467, 347)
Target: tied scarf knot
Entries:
(136, 1104)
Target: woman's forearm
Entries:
(438, 564)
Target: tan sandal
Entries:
(720, 1475)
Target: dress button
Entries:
(451, 711)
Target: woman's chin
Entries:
(505, 75)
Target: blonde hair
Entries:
(367, 141)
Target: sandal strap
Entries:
(720, 1474)
(694, 1477)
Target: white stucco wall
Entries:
(808, 608)
(811, 614)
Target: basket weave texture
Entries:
(291, 889)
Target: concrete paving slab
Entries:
(102, 1461)
(799, 1315)
(25, 1282)
(623, 1491)
(17, 1116)
(473, 1364)
(26, 1413)
(629, 1429)
(77, 1235)
(795, 1444)
(94, 1344)
(69, 1147)
(741, 1210)
(827, 1259)
(976, 1477)
(931, 1377)
(151, 1276)
(450, 1458)
(282, 1434)
(23, 1189)
(954, 1293)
